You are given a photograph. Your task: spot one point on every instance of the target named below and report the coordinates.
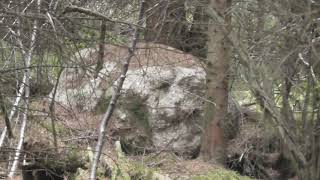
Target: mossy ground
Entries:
(156, 166)
(167, 166)
(220, 174)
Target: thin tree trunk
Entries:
(27, 60)
(24, 119)
(267, 85)
(22, 85)
(196, 40)
(114, 98)
(213, 140)
(18, 150)
(6, 118)
(153, 12)
(286, 109)
(51, 108)
(99, 65)
(304, 114)
(14, 109)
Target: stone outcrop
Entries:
(162, 96)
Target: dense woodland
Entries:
(259, 99)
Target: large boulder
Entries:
(167, 104)
(162, 96)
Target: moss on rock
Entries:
(102, 105)
(137, 111)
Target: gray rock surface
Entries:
(162, 96)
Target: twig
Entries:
(89, 12)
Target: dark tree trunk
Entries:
(166, 22)
(213, 141)
(196, 40)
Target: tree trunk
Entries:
(213, 141)
(27, 57)
(166, 22)
(196, 40)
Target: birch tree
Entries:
(27, 55)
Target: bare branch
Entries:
(89, 12)
(114, 98)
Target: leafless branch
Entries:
(114, 98)
(89, 12)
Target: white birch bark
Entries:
(22, 85)
(14, 109)
(19, 92)
(27, 58)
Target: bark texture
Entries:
(213, 142)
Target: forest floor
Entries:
(78, 133)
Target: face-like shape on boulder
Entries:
(173, 98)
